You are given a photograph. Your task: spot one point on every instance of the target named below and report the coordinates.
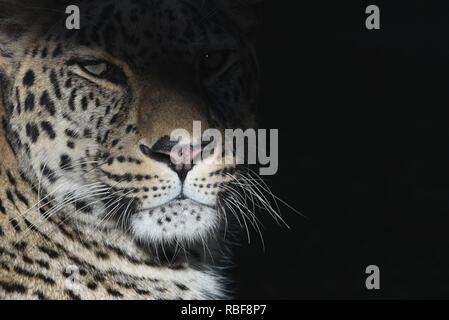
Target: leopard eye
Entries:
(211, 62)
(102, 69)
(96, 69)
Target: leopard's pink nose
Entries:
(178, 157)
(182, 156)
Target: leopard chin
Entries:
(180, 221)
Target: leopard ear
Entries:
(244, 13)
(12, 27)
(10, 33)
(16, 17)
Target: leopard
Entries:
(94, 204)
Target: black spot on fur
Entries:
(15, 224)
(72, 295)
(92, 285)
(71, 134)
(83, 206)
(47, 103)
(72, 100)
(43, 264)
(54, 82)
(22, 245)
(84, 103)
(99, 122)
(18, 106)
(40, 295)
(27, 259)
(29, 225)
(34, 52)
(29, 102)
(50, 252)
(48, 173)
(181, 286)
(87, 133)
(28, 79)
(114, 143)
(58, 51)
(44, 53)
(10, 197)
(10, 178)
(22, 198)
(65, 162)
(30, 274)
(11, 287)
(102, 255)
(114, 293)
(2, 208)
(48, 128)
(32, 131)
(68, 83)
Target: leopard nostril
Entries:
(181, 161)
(158, 156)
(145, 150)
(161, 150)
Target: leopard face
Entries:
(89, 112)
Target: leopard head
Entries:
(90, 112)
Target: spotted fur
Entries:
(90, 206)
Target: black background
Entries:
(362, 153)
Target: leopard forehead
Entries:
(157, 45)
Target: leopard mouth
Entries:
(179, 199)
